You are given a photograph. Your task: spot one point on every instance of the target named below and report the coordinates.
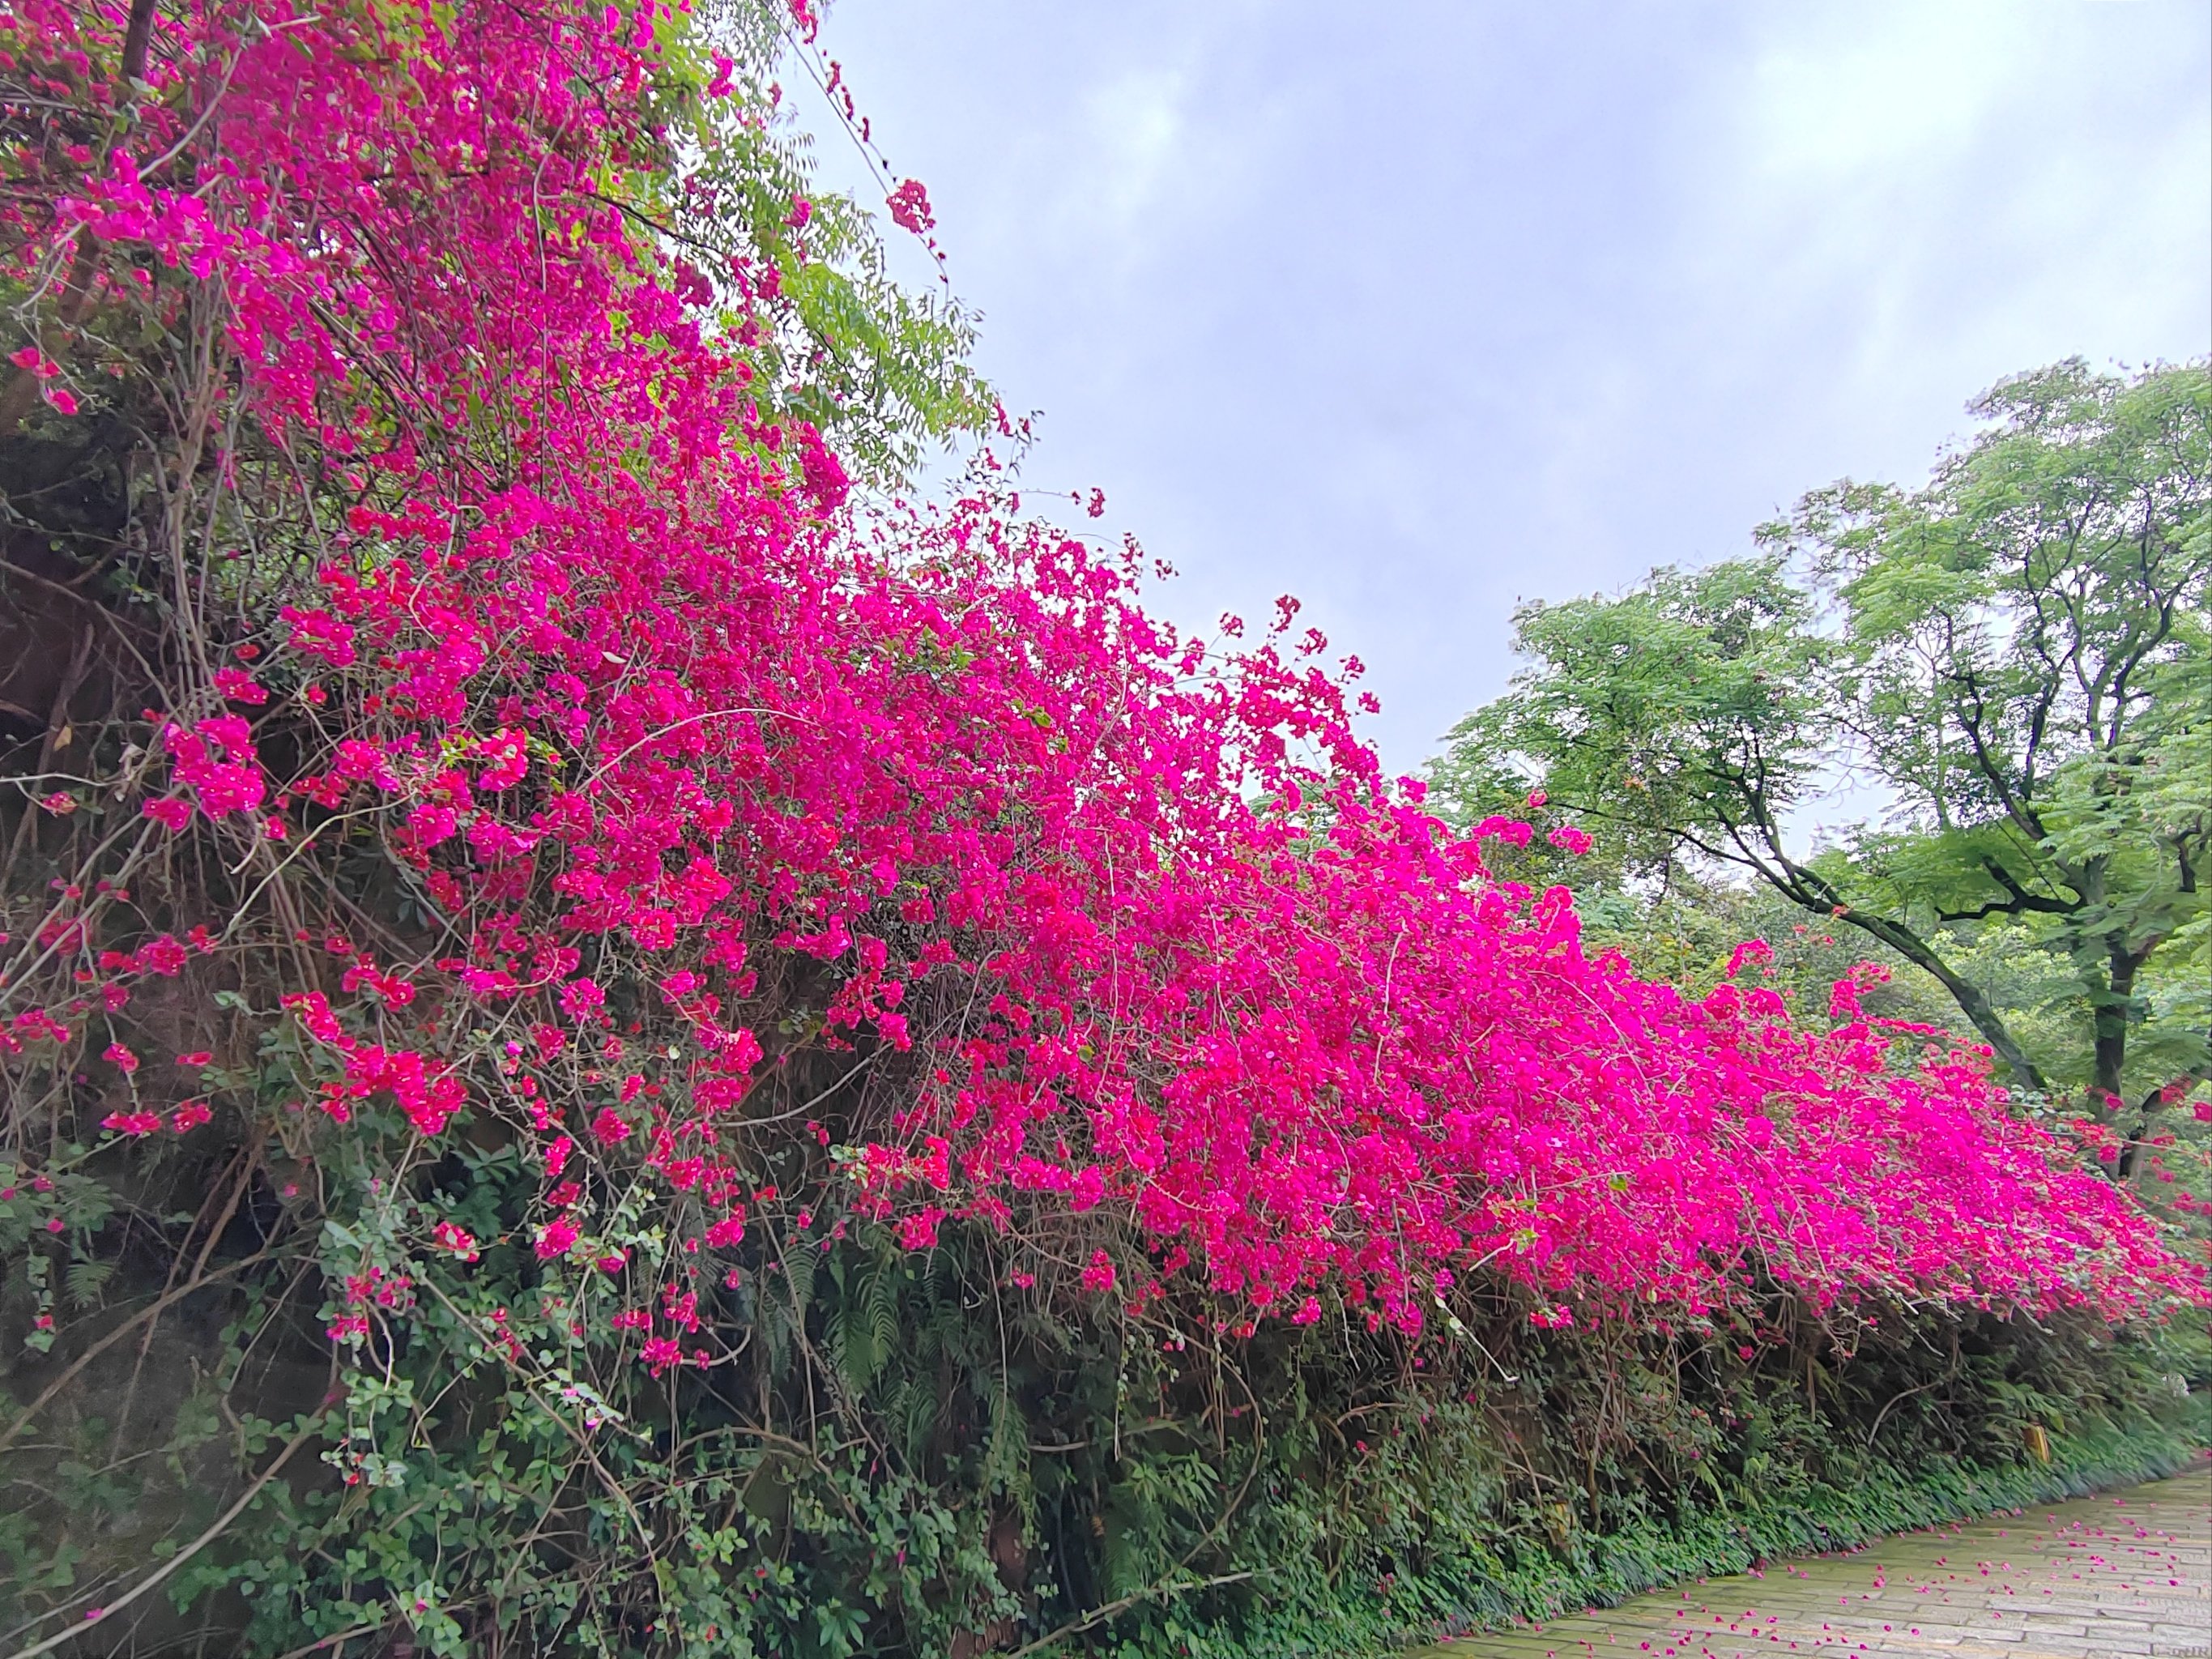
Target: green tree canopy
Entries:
(2017, 654)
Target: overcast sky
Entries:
(1417, 310)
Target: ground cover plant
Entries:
(619, 1040)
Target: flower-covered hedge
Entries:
(529, 869)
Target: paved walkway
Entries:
(2122, 1576)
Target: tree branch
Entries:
(199, 1282)
(70, 1633)
(2020, 902)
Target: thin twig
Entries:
(1076, 1628)
(332, 1641)
(150, 1311)
(70, 1633)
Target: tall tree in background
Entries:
(2017, 654)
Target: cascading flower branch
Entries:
(670, 733)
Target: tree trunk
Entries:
(2110, 1003)
(1971, 1003)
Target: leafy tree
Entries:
(2016, 654)
(802, 272)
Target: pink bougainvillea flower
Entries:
(171, 814)
(706, 727)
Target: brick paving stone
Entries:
(2125, 1576)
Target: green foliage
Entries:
(895, 1452)
(883, 370)
(1607, 1465)
(1684, 717)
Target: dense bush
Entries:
(613, 1047)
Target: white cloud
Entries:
(1947, 192)
(1135, 123)
(1417, 309)
(1843, 97)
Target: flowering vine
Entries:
(658, 720)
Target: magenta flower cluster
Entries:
(647, 701)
